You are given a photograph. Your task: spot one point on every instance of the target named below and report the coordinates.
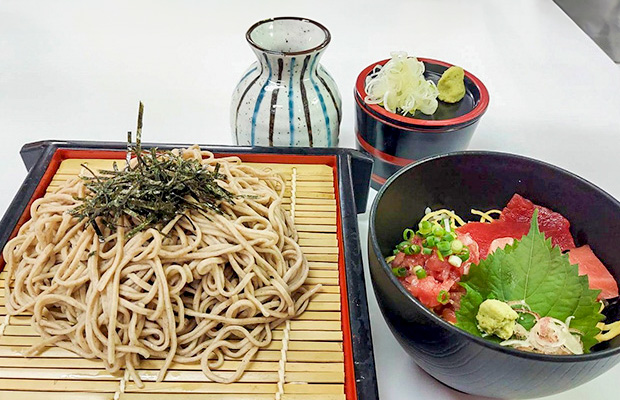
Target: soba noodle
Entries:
(202, 288)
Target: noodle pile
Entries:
(202, 288)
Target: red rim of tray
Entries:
(350, 389)
(477, 111)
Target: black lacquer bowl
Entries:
(486, 180)
(394, 140)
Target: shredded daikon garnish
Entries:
(548, 336)
(399, 86)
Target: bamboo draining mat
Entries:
(314, 366)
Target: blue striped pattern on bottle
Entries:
(322, 101)
(274, 99)
(329, 91)
(304, 101)
(308, 92)
(259, 99)
(247, 88)
(245, 77)
(291, 108)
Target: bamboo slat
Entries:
(153, 364)
(26, 341)
(314, 367)
(327, 242)
(296, 324)
(313, 306)
(28, 395)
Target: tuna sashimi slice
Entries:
(485, 233)
(514, 222)
(551, 223)
(598, 276)
(500, 243)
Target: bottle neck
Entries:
(280, 67)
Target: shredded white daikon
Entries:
(399, 86)
(548, 336)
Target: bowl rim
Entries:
(411, 128)
(320, 46)
(476, 112)
(437, 319)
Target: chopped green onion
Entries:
(455, 261)
(443, 297)
(389, 259)
(448, 237)
(444, 248)
(456, 246)
(427, 251)
(439, 256)
(412, 249)
(419, 272)
(396, 251)
(403, 245)
(399, 272)
(425, 227)
(438, 231)
(430, 241)
(408, 234)
(443, 245)
(464, 254)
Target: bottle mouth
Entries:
(288, 36)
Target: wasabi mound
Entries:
(451, 85)
(496, 318)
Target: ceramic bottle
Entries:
(286, 98)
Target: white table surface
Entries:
(76, 70)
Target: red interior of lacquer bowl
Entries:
(64, 154)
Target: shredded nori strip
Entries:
(161, 186)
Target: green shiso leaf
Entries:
(534, 271)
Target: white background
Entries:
(76, 70)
